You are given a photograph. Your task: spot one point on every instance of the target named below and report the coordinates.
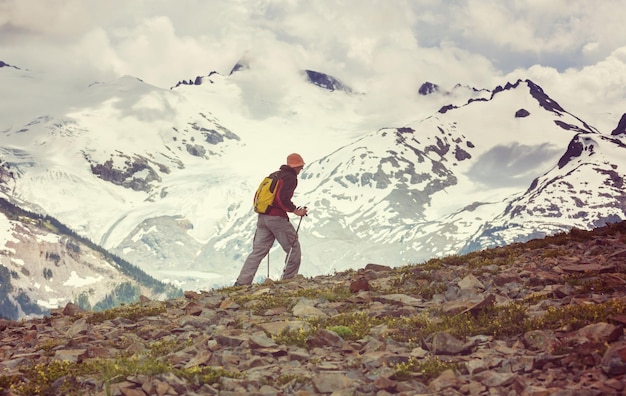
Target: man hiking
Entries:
(273, 224)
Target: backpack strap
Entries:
(277, 201)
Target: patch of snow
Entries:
(50, 238)
(51, 303)
(6, 230)
(76, 281)
(17, 261)
(190, 274)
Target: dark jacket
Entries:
(286, 187)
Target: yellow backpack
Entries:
(265, 194)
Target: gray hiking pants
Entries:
(269, 229)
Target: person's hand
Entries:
(300, 211)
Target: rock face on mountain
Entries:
(199, 80)
(621, 126)
(540, 318)
(128, 177)
(428, 88)
(3, 64)
(325, 81)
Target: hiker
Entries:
(274, 224)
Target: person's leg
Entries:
(263, 241)
(286, 235)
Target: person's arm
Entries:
(285, 193)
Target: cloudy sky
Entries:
(575, 49)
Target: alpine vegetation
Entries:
(541, 317)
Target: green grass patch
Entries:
(42, 379)
(132, 312)
(427, 369)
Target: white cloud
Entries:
(523, 33)
(590, 49)
(55, 19)
(387, 48)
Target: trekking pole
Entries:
(293, 243)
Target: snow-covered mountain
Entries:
(585, 190)
(44, 265)
(164, 177)
(430, 188)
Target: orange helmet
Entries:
(294, 160)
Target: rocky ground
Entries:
(541, 318)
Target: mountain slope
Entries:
(44, 265)
(540, 318)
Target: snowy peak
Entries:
(428, 88)
(458, 95)
(565, 120)
(544, 100)
(325, 81)
(3, 64)
(239, 66)
(317, 78)
(547, 103)
(535, 91)
(199, 80)
(621, 126)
